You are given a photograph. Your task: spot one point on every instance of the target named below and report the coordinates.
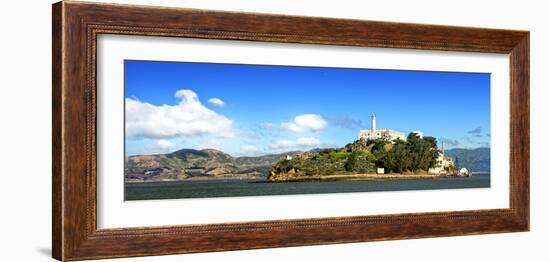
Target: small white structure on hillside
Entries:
(443, 163)
(442, 166)
(386, 134)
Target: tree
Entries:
(413, 155)
(351, 162)
(399, 158)
(360, 162)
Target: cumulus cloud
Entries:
(188, 118)
(306, 122)
(216, 102)
(475, 131)
(300, 143)
(162, 146)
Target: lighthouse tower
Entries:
(383, 133)
(373, 122)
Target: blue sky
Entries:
(258, 109)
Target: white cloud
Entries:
(188, 118)
(216, 102)
(300, 143)
(306, 122)
(165, 144)
(161, 146)
(249, 150)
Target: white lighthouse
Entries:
(373, 122)
(384, 133)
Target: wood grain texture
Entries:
(519, 129)
(76, 26)
(57, 195)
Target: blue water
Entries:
(237, 188)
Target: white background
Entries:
(114, 212)
(25, 86)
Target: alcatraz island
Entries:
(376, 154)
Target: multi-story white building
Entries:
(384, 133)
(443, 163)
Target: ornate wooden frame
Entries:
(76, 26)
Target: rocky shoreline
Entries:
(355, 177)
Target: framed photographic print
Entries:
(181, 130)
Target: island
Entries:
(368, 159)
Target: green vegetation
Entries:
(362, 157)
(414, 155)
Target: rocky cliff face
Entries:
(191, 163)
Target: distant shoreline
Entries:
(357, 177)
(364, 177)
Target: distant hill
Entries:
(190, 163)
(476, 160)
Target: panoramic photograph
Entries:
(202, 130)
